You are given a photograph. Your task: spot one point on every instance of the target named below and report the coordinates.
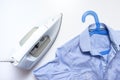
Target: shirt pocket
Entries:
(85, 71)
(87, 75)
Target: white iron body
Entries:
(36, 43)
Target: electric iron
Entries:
(35, 44)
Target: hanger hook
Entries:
(95, 17)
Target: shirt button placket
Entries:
(104, 67)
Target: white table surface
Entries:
(18, 16)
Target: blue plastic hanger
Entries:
(97, 30)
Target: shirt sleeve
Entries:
(54, 70)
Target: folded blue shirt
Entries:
(85, 58)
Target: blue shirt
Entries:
(85, 58)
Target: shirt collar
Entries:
(85, 39)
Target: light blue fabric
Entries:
(85, 58)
